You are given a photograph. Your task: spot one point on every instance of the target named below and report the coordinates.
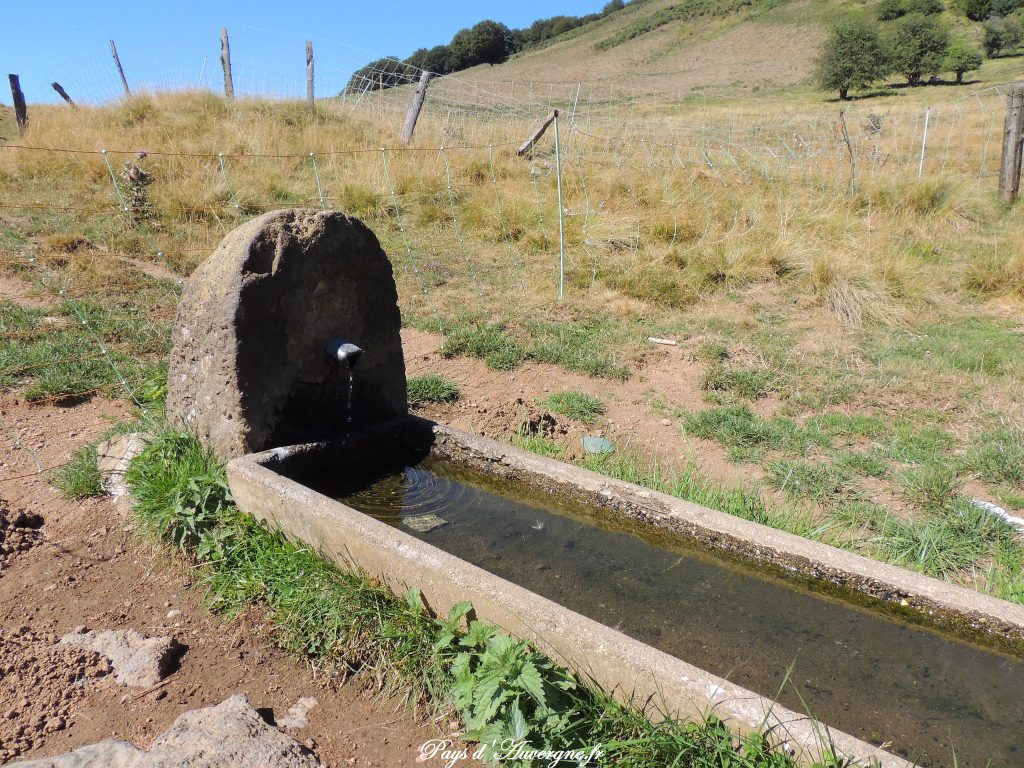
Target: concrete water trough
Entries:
(678, 608)
(274, 486)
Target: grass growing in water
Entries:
(501, 687)
(576, 405)
(431, 388)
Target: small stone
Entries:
(113, 457)
(593, 444)
(137, 660)
(173, 613)
(666, 422)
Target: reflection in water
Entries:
(864, 673)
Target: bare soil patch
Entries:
(86, 567)
(637, 412)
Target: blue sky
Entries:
(176, 43)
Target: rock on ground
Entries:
(114, 456)
(229, 735)
(137, 660)
(249, 370)
(296, 717)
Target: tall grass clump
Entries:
(576, 405)
(80, 477)
(431, 388)
(500, 687)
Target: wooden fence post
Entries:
(120, 70)
(18, 98)
(538, 132)
(63, 94)
(1009, 168)
(225, 62)
(414, 108)
(310, 95)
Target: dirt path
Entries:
(78, 564)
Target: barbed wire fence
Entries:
(438, 199)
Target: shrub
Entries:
(975, 10)
(895, 9)
(1002, 34)
(918, 47)
(852, 56)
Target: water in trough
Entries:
(871, 674)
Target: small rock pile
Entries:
(41, 683)
(19, 532)
(229, 735)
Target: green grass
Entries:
(577, 346)
(576, 405)
(932, 487)
(489, 342)
(51, 354)
(80, 477)
(431, 388)
(529, 441)
(817, 481)
(918, 445)
(847, 425)
(974, 345)
(748, 383)
(685, 11)
(499, 686)
(867, 464)
(745, 435)
(1011, 499)
(997, 457)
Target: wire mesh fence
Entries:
(641, 184)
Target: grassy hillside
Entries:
(722, 47)
(856, 350)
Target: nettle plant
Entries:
(505, 691)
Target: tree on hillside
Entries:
(852, 57)
(485, 43)
(961, 58)
(895, 9)
(382, 73)
(975, 10)
(918, 47)
(437, 59)
(1003, 35)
